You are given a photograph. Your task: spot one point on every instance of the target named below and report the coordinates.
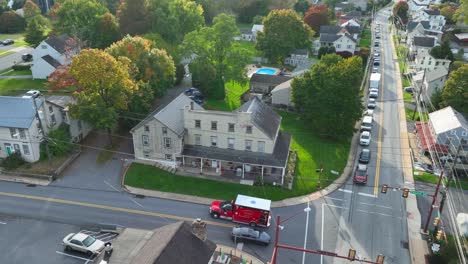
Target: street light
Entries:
(307, 211)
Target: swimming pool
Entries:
(269, 71)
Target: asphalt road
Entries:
(10, 60)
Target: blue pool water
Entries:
(269, 71)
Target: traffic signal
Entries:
(405, 192)
(436, 221)
(352, 254)
(439, 235)
(384, 188)
(380, 259)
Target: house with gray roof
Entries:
(51, 53)
(264, 83)
(436, 20)
(420, 43)
(243, 144)
(297, 57)
(19, 127)
(58, 113)
(343, 42)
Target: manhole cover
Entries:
(405, 244)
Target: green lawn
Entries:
(250, 46)
(407, 97)
(311, 150)
(5, 53)
(11, 72)
(409, 116)
(365, 38)
(18, 38)
(233, 92)
(406, 82)
(17, 86)
(431, 178)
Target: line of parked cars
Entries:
(195, 94)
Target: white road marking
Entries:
(346, 191)
(136, 203)
(386, 207)
(366, 194)
(240, 246)
(68, 255)
(378, 214)
(1, 223)
(328, 197)
(110, 185)
(321, 235)
(336, 206)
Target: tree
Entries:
(302, 6)
(258, 19)
(456, 65)
(283, 32)
(317, 16)
(436, 99)
(325, 50)
(248, 9)
(10, 22)
(174, 19)
(31, 10)
(153, 65)
(60, 140)
(132, 17)
(105, 32)
(78, 17)
(449, 13)
(217, 51)
(179, 73)
(455, 92)
(461, 15)
(400, 13)
(36, 31)
(443, 51)
(18, 4)
(325, 104)
(103, 86)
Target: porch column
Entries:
(201, 165)
(243, 170)
(183, 161)
(262, 172)
(282, 176)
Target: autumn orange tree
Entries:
(103, 87)
(317, 16)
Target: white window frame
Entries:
(22, 133)
(214, 141)
(26, 150)
(145, 140)
(453, 132)
(197, 123)
(464, 133)
(231, 143)
(146, 153)
(164, 130)
(168, 156)
(167, 142)
(214, 125)
(261, 146)
(248, 145)
(197, 139)
(233, 126)
(249, 130)
(146, 128)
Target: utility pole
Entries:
(418, 100)
(434, 197)
(454, 164)
(49, 158)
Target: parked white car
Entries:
(84, 243)
(365, 138)
(374, 93)
(371, 104)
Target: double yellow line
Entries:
(110, 208)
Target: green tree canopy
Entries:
(461, 15)
(216, 49)
(10, 22)
(175, 18)
(104, 85)
(328, 96)
(443, 51)
(248, 9)
(455, 93)
(283, 32)
(36, 31)
(78, 17)
(301, 6)
(31, 10)
(400, 13)
(105, 32)
(133, 17)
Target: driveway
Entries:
(10, 60)
(85, 173)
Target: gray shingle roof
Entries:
(17, 112)
(329, 37)
(432, 12)
(59, 43)
(171, 114)
(439, 72)
(269, 79)
(329, 29)
(353, 29)
(60, 100)
(424, 41)
(173, 243)
(413, 24)
(262, 116)
(246, 31)
(53, 62)
(425, 24)
(352, 14)
(300, 51)
(277, 159)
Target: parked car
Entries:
(423, 166)
(84, 243)
(8, 42)
(197, 99)
(247, 234)
(409, 89)
(360, 174)
(364, 156)
(373, 93)
(371, 104)
(190, 91)
(376, 63)
(27, 57)
(376, 54)
(376, 44)
(369, 112)
(365, 138)
(377, 36)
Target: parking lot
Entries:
(34, 241)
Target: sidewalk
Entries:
(234, 254)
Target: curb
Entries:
(238, 253)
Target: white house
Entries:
(449, 127)
(351, 22)
(297, 57)
(19, 127)
(58, 113)
(246, 34)
(433, 81)
(255, 29)
(421, 43)
(340, 42)
(436, 20)
(425, 61)
(246, 142)
(416, 5)
(51, 53)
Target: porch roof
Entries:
(277, 159)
